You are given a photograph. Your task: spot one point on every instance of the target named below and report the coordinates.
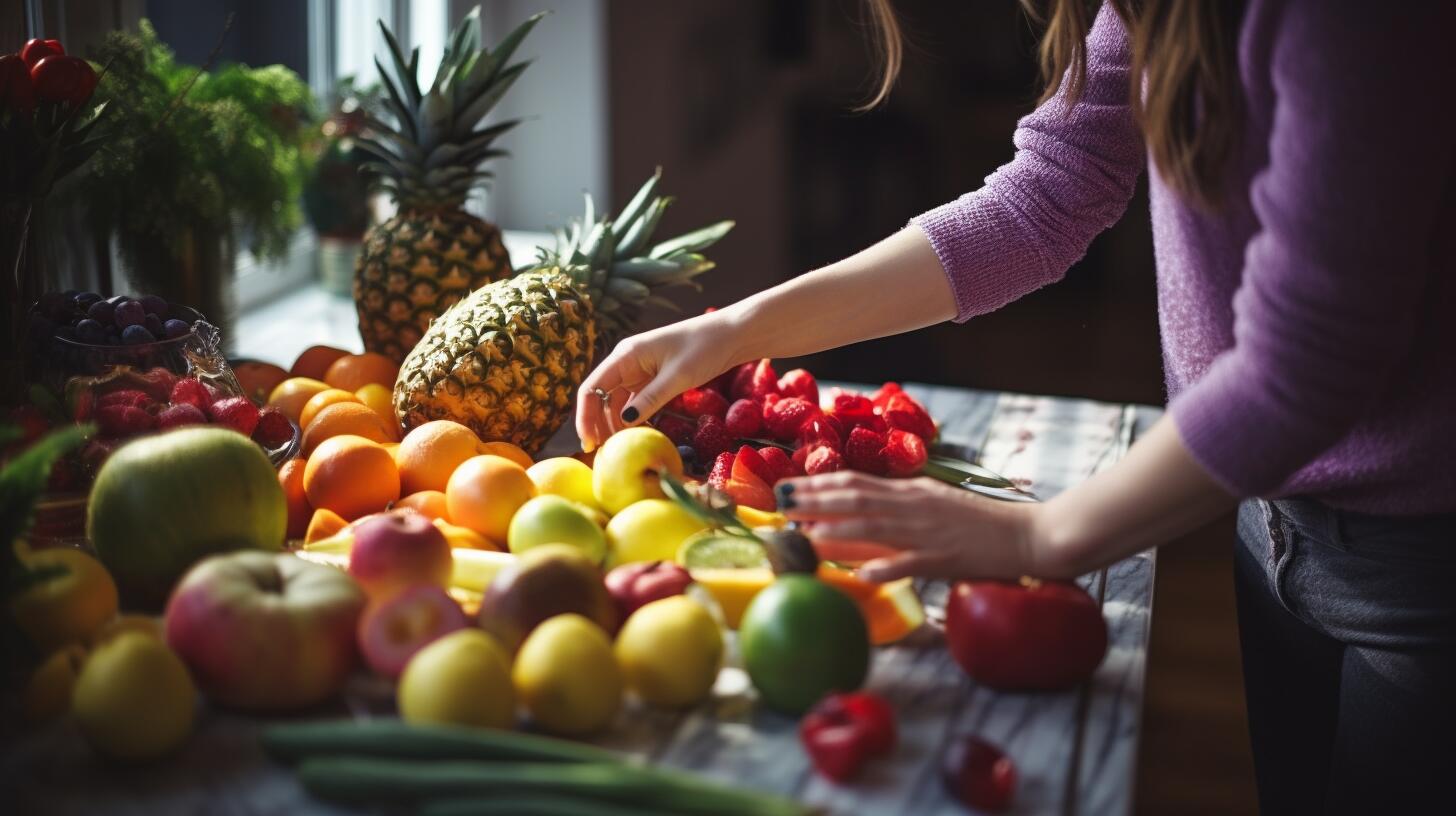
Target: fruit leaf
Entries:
(720, 516)
(770, 443)
(961, 473)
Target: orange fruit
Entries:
(381, 399)
(322, 400)
(293, 393)
(314, 362)
(350, 475)
(430, 503)
(258, 379)
(324, 524)
(354, 371)
(485, 491)
(344, 418)
(75, 600)
(506, 450)
(430, 453)
(299, 511)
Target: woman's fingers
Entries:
(918, 563)
(814, 505)
(897, 530)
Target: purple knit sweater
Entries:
(1309, 325)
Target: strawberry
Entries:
(852, 410)
(723, 383)
(126, 396)
(192, 392)
(744, 419)
(778, 463)
(749, 461)
(678, 429)
(767, 403)
(157, 382)
(823, 460)
(238, 413)
(820, 431)
(903, 412)
(800, 456)
(882, 396)
(123, 420)
(788, 415)
(800, 383)
(722, 469)
(179, 414)
(864, 451)
(754, 380)
(904, 453)
(710, 438)
(751, 492)
(704, 402)
(274, 430)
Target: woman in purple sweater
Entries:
(1302, 158)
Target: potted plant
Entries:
(198, 163)
(336, 196)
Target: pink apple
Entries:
(398, 550)
(635, 585)
(395, 627)
(265, 631)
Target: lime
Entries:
(801, 639)
(713, 549)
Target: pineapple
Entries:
(432, 253)
(507, 360)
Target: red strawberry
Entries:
(904, 453)
(823, 460)
(157, 382)
(704, 401)
(800, 456)
(192, 392)
(179, 414)
(778, 463)
(710, 438)
(903, 412)
(274, 430)
(749, 461)
(785, 417)
(852, 410)
(744, 419)
(722, 469)
(124, 420)
(820, 431)
(723, 383)
(238, 413)
(864, 451)
(678, 429)
(768, 402)
(754, 380)
(882, 396)
(751, 492)
(800, 383)
(126, 396)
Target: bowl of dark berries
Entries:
(82, 333)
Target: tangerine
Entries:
(430, 453)
(484, 493)
(354, 371)
(344, 418)
(350, 475)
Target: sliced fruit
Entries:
(324, 524)
(714, 550)
(891, 610)
(475, 569)
(754, 517)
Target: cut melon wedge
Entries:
(891, 610)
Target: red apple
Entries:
(1027, 636)
(395, 627)
(398, 550)
(265, 631)
(635, 585)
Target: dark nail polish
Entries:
(629, 414)
(784, 488)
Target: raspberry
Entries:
(238, 413)
(678, 429)
(754, 380)
(788, 415)
(722, 469)
(820, 431)
(126, 396)
(778, 463)
(124, 420)
(800, 383)
(852, 410)
(744, 419)
(904, 453)
(864, 451)
(823, 460)
(274, 430)
(704, 402)
(882, 396)
(711, 438)
(192, 392)
(750, 460)
(182, 413)
(903, 412)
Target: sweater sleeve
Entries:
(1360, 154)
(1072, 176)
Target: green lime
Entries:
(712, 548)
(802, 639)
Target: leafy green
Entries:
(717, 510)
(23, 478)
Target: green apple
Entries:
(566, 477)
(650, 530)
(625, 469)
(555, 520)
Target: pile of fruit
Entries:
(750, 428)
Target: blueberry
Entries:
(102, 311)
(175, 328)
(687, 453)
(135, 335)
(130, 313)
(153, 324)
(153, 304)
(90, 331)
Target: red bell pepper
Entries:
(63, 79)
(1027, 636)
(37, 49)
(842, 731)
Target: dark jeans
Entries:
(1348, 630)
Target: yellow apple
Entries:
(464, 678)
(554, 520)
(625, 469)
(566, 477)
(650, 530)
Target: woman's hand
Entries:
(941, 531)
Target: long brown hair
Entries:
(1185, 90)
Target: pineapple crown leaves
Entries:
(615, 262)
(432, 155)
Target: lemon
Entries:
(567, 677)
(712, 549)
(670, 651)
(464, 678)
(566, 477)
(134, 698)
(650, 530)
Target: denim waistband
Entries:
(1424, 539)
